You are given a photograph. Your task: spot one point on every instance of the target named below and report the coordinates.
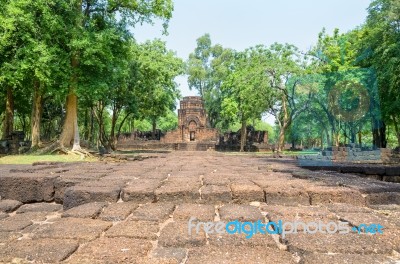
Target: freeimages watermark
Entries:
(249, 229)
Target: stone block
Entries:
(134, 229)
(234, 254)
(242, 213)
(39, 207)
(351, 243)
(89, 210)
(216, 194)
(118, 211)
(286, 196)
(112, 250)
(383, 198)
(317, 258)
(246, 192)
(78, 195)
(202, 212)
(183, 192)
(169, 255)
(141, 191)
(82, 229)
(8, 206)
(153, 212)
(327, 195)
(177, 235)
(27, 188)
(38, 251)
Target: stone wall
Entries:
(352, 154)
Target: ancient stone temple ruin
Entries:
(193, 125)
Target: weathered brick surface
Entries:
(177, 235)
(140, 191)
(20, 221)
(326, 195)
(38, 251)
(39, 207)
(118, 211)
(246, 192)
(233, 254)
(112, 250)
(286, 196)
(78, 195)
(3, 215)
(149, 231)
(201, 212)
(9, 205)
(318, 258)
(168, 255)
(89, 210)
(135, 229)
(383, 198)
(73, 228)
(153, 212)
(27, 188)
(241, 213)
(339, 243)
(178, 191)
(216, 194)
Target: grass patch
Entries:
(29, 159)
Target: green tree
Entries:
(157, 91)
(283, 71)
(247, 93)
(87, 25)
(31, 45)
(381, 47)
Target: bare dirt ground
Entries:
(138, 211)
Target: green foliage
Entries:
(157, 89)
(168, 122)
(247, 93)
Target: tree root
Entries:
(56, 147)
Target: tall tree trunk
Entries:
(70, 132)
(113, 140)
(153, 133)
(359, 138)
(396, 129)
(36, 114)
(243, 135)
(284, 125)
(379, 134)
(328, 140)
(281, 140)
(70, 129)
(8, 125)
(86, 125)
(322, 140)
(91, 129)
(382, 133)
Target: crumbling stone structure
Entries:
(352, 154)
(193, 125)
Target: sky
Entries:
(243, 24)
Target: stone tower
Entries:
(193, 125)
